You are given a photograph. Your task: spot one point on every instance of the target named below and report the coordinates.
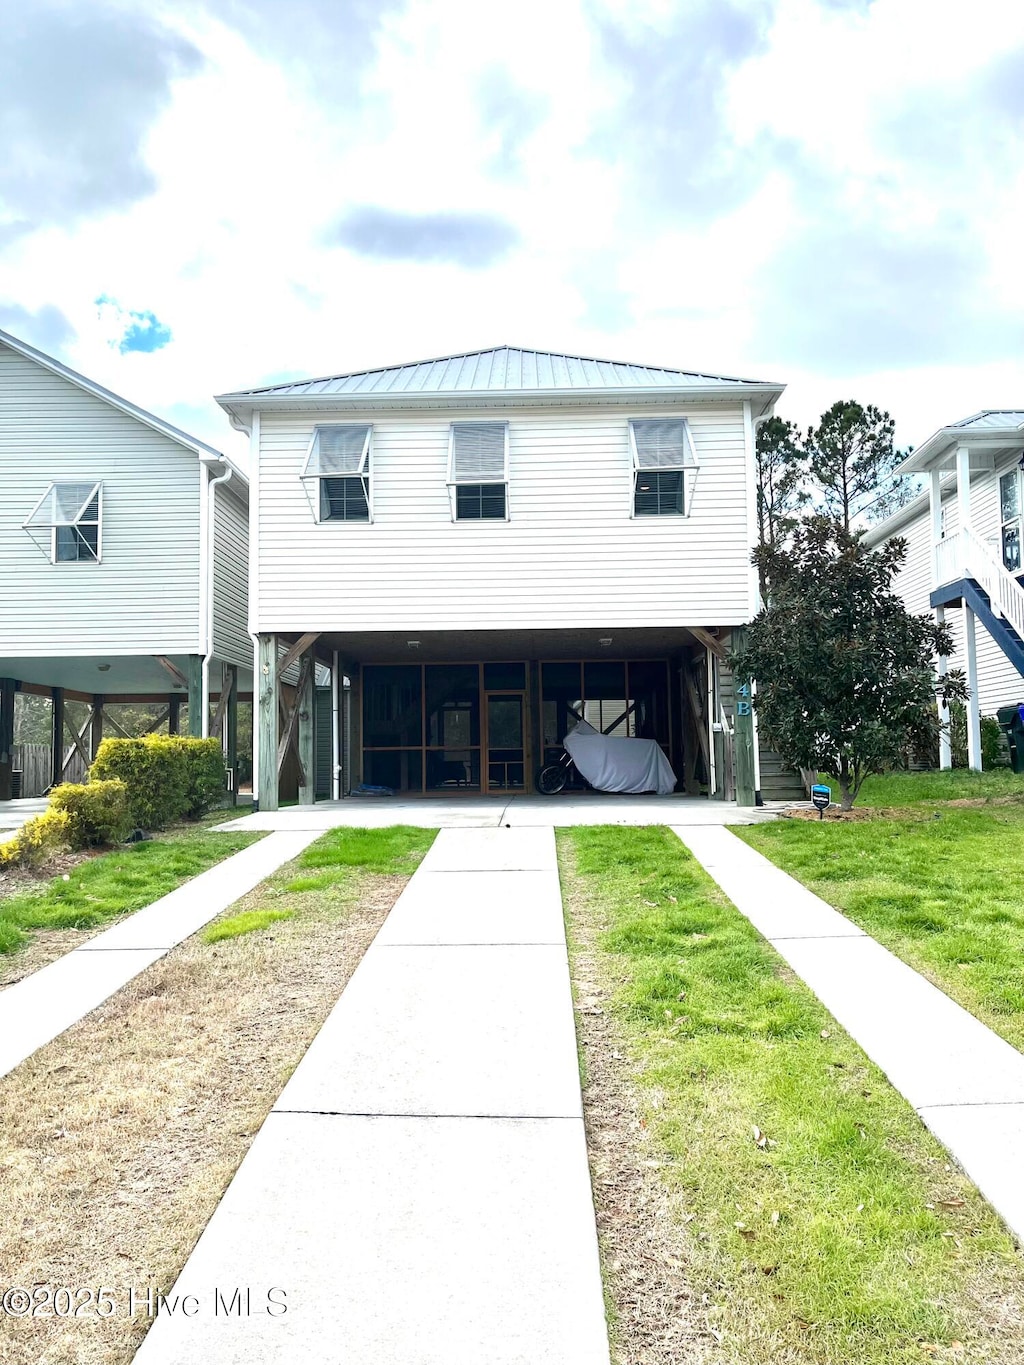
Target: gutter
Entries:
(210, 538)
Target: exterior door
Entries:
(505, 741)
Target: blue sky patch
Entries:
(140, 329)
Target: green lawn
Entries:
(826, 1225)
(326, 878)
(396, 849)
(891, 790)
(115, 883)
(942, 888)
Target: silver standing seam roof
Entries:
(999, 418)
(503, 369)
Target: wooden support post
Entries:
(231, 729)
(96, 725)
(195, 696)
(217, 724)
(746, 783)
(77, 745)
(304, 702)
(6, 738)
(265, 686)
(173, 715)
(57, 736)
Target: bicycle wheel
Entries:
(551, 779)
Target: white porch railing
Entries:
(965, 555)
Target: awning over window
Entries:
(72, 510)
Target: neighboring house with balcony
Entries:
(488, 545)
(964, 555)
(123, 561)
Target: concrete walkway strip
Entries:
(965, 1082)
(451, 1030)
(477, 907)
(421, 1192)
(36, 1010)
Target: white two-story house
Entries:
(487, 545)
(964, 538)
(123, 561)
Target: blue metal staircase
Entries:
(969, 590)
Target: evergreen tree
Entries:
(850, 462)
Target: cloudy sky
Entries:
(196, 197)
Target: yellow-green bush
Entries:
(168, 777)
(205, 774)
(98, 810)
(38, 840)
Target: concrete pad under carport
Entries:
(14, 814)
(494, 812)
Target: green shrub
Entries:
(99, 811)
(994, 753)
(168, 777)
(205, 775)
(38, 840)
(153, 771)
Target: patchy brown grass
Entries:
(655, 1316)
(118, 1139)
(44, 947)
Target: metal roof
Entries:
(984, 432)
(503, 369)
(1002, 419)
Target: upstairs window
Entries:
(66, 522)
(1010, 520)
(664, 467)
(338, 473)
(478, 471)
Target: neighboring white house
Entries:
(484, 544)
(123, 558)
(964, 557)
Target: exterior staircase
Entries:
(779, 781)
(970, 574)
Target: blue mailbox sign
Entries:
(821, 799)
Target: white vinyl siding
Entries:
(999, 683)
(571, 554)
(144, 595)
(231, 640)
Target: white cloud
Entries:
(434, 112)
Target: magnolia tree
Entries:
(845, 674)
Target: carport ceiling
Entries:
(453, 646)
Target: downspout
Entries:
(335, 729)
(211, 484)
(752, 427)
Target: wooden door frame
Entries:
(523, 693)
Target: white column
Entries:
(973, 709)
(945, 747)
(935, 508)
(963, 496)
